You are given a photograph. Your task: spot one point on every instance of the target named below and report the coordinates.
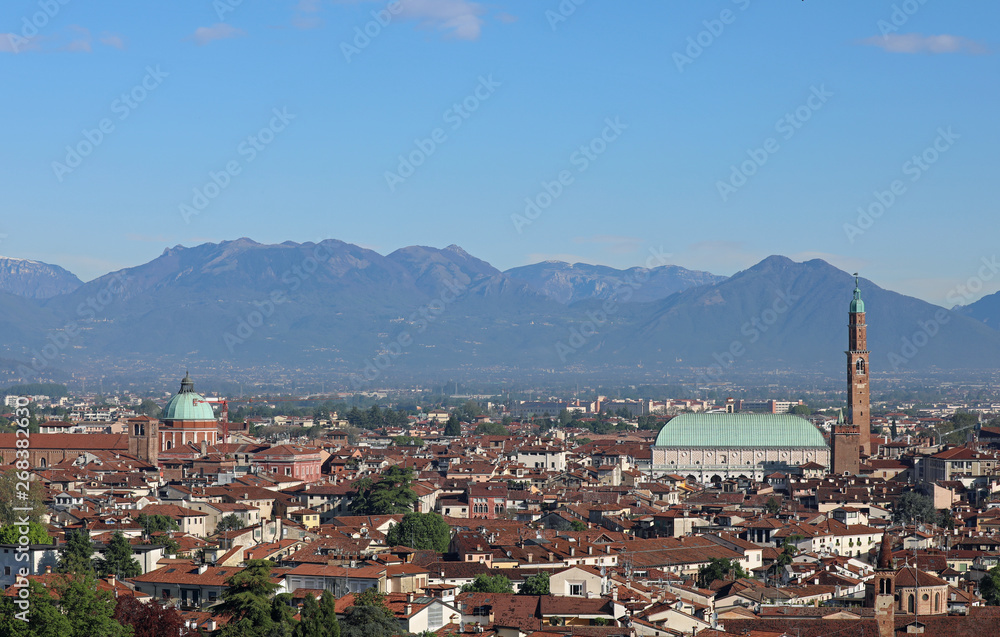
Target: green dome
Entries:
(187, 405)
(857, 305)
(718, 431)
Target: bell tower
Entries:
(880, 592)
(857, 371)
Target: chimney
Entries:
(48, 570)
(530, 556)
(111, 579)
(409, 609)
(409, 597)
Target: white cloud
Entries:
(218, 31)
(81, 43)
(113, 39)
(305, 17)
(14, 43)
(459, 19)
(918, 43)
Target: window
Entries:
(860, 366)
(288, 471)
(576, 589)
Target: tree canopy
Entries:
(453, 427)
(391, 494)
(989, 586)
(149, 619)
(11, 496)
(914, 506)
(156, 524)
(37, 534)
(247, 600)
(491, 429)
(420, 531)
(537, 584)
(489, 584)
(77, 555)
(719, 568)
(231, 522)
(118, 558)
(369, 617)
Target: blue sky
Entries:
(717, 132)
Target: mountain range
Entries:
(359, 314)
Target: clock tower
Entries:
(858, 372)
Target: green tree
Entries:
(282, 616)
(452, 427)
(946, 519)
(311, 621)
(231, 522)
(773, 506)
(148, 408)
(989, 586)
(914, 506)
(11, 496)
(247, 600)
(719, 568)
(391, 494)
(77, 555)
(328, 613)
(369, 621)
(118, 558)
(408, 441)
(537, 584)
(420, 531)
(156, 524)
(90, 611)
(43, 616)
(11, 534)
(489, 584)
(786, 557)
(491, 429)
(369, 617)
(800, 410)
(577, 525)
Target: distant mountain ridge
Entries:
(569, 283)
(34, 279)
(357, 314)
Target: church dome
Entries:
(187, 405)
(718, 431)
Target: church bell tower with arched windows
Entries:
(857, 371)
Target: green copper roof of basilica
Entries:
(857, 305)
(187, 405)
(739, 431)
